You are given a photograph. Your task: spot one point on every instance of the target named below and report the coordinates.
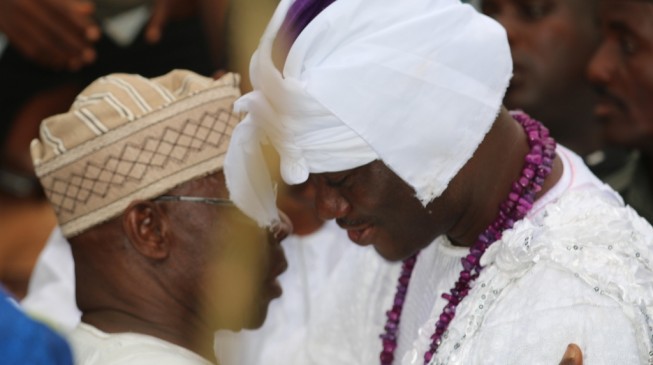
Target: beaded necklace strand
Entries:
(537, 166)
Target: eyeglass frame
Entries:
(194, 199)
(273, 229)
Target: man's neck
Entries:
(500, 165)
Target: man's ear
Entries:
(147, 227)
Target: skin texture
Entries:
(178, 270)
(377, 208)
(551, 42)
(622, 70)
(298, 202)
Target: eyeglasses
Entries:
(274, 230)
(194, 199)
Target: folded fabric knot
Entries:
(416, 85)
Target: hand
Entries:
(573, 356)
(164, 11)
(58, 34)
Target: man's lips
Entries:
(280, 266)
(358, 232)
(608, 104)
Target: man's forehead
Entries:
(631, 16)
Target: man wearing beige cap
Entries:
(162, 257)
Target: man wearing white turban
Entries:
(511, 248)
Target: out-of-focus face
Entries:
(378, 208)
(551, 42)
(622, 69)
(228, 262)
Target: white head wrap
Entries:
(416, 84)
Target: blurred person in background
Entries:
(622, 71)
(162, 257)
(25, 341)
(551, 43)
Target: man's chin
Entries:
(391, 255)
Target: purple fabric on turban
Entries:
(300, 14)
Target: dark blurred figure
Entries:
(551, 43)
(622, 69)
(57, 47)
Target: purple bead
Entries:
(468, 266)
(404, 280)
(465, 275)
(524, 203)
(387, 358)
(472, 259)
(547, 161)
(391, 326)
(544, 170)
(393, 316)
(450, 309)
(522, 210)
(510, 204)
(389, 346)
(516, 188)
(537, 149)
(529, 173)
(389, 336)
(427, 357)
(533, 158)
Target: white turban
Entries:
(416, 84)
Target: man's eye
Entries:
(336, 181)
(536, 10)
(628, 44)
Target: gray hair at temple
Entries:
(367, 80)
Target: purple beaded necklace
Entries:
(537, 166)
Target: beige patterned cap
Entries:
(127, 137)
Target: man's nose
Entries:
(601, 67)
(330, 204)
